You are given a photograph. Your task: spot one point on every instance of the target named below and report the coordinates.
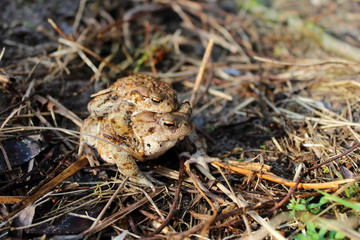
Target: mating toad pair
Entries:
(136, 119)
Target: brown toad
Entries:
(146, 92)
(123, 137)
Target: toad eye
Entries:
(169, 125)
(156, 99)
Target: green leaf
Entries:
(301, 236)
(300, 207)
(339, 235)
(322, 232)
(355, 206)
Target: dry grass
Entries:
(254, 101)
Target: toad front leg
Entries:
(127, 166)
(124, 161)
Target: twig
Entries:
(2, 53)
(200, 74)
(272, 177)
(79, 15)
(175, 201)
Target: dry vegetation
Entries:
(277, 103)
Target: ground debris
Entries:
(272, 101)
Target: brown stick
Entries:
(200, 75)
(173, 205)
(272, 177)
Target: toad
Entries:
(144, 91)
(126, 135)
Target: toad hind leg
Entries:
(102, 105)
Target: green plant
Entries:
(313, 234)
(304, 204)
